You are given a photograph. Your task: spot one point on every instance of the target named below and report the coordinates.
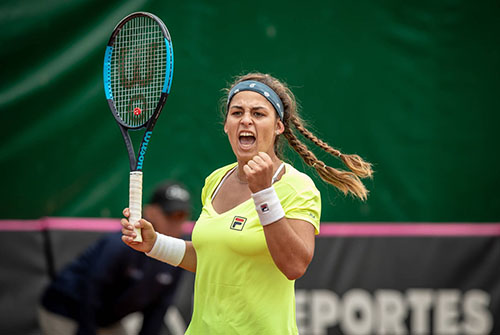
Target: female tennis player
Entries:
(255, 234)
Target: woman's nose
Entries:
(246, 119)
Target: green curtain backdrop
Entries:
(411, 86)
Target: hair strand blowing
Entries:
(348, 182)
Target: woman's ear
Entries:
(280, 127)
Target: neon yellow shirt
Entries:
(238, 288)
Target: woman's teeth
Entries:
(247, 138)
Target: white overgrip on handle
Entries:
(135, 202)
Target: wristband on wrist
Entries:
(268, 206)
(168, 249)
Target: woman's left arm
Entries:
(291, 244)
(290, 241)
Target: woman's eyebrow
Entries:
(253, 108)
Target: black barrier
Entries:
(404, 284)
(29, 259)
(23, 274)
(401, 285)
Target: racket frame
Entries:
(136, 161)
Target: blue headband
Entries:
(262, 89)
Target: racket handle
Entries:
(135, 201)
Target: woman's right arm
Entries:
(189, 260)
(149, 238)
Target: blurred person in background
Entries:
(110, 281)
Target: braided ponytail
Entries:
(348, 182)
(355, 163)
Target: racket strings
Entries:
(138, 67)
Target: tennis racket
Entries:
(138, 68)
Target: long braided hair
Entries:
(346, 181)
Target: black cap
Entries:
(172, 197)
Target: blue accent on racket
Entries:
(142, 152)
(107, 72)
(170, 67)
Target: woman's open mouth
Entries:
(246, 139)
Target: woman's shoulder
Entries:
(297, 180)
(213, 180)
(219, 173)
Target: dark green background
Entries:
(411, 86)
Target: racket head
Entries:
(138, 70)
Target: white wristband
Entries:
(168, 249)
(268, 206)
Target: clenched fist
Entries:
(259, 172)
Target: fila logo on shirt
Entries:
(238, 223)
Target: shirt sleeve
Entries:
(300, 198)
(305, 205)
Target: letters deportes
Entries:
(388, 311)
(144, 147)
